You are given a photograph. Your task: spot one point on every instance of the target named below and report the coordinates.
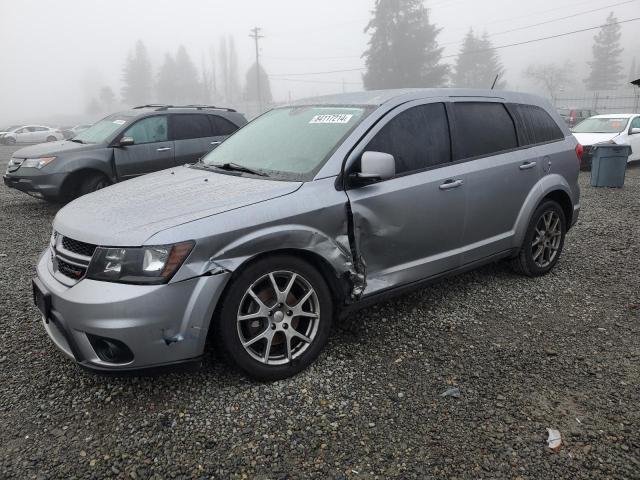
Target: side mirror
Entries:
(126, 142)
(634, 131)
(375, 167)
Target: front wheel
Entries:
(51, 139)
(543, 241)
(275, 318)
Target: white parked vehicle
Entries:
(30, 134)
(620, 128)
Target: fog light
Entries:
(110, 350)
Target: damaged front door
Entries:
(409, 227)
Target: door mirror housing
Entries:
(126, 141)
(375, 167)
(634, 131)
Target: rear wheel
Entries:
(275, 318)
(543, 241)
(51, 139)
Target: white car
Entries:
(30, 134)
(620, 128)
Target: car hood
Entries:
(593, 138)
(51, 149)
(128, 213)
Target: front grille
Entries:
(71, 271)
(71, 257)
(78, 247)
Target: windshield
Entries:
(288, 143)
(601, 125)
(103, 130)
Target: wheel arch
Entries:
(73, 178)
(551, 187)
(336, 281)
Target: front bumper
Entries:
(44, 185)
(161, 324)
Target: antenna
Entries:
(495, 80)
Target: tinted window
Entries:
(190, 126)
(635, 123)
(536, 125)
(149, 130)
(483, 129)
(418, 138)
(222, 126)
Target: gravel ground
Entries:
(557, 352)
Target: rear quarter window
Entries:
(222, 126)
(483, 128)
(536, 125)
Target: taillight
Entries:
(579, 152)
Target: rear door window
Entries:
(186, 126)
(418, 138)
(149, 130)
(536, 125)
(483, 129)
(222, 126)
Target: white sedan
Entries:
(30, 134)
(620, 128)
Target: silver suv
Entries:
(308, 212)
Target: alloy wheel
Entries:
(547, 239)
(278, 317)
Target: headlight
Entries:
(37, 162)
(146, 265)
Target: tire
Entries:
(51, 139)
(9, 141)
(543, 242)
(273, 343)
(92, 183)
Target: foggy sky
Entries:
(55, 55)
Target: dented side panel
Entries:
(315, 220)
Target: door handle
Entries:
(527, 165)
(166, 149)
(450, 184)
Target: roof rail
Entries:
(152, 105)
(199, 107)
(161, 106)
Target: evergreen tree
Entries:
(107, 98)
(606, 67)
(137, 77)
(251, 87)
(403, 51)
(188, 87)
(477, 64)
(167, 86)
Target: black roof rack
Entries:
(160, 106)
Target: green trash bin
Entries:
(609, 164)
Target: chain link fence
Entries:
(625, 100)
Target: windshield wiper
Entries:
(76, 140)
(235, 167)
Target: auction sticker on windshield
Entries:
(331, 118)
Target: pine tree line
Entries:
(403, 52)
(179, 81)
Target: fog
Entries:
(57, 55)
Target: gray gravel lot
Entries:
(557, 352)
